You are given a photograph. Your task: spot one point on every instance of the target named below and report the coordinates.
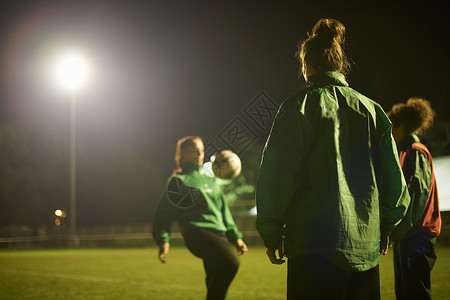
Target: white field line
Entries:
(112, 280)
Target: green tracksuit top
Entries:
(330, 178)
(196, 200)
(423, 215)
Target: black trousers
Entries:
(414, 258)
(313, 277)
(220, 263)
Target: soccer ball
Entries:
(226, 164)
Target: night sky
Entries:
(161, 71)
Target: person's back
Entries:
(415, 236)
(338, 177)
(328, 169)
(336, 138)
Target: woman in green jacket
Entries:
(329, 183)
(414, 254)
(196, 201)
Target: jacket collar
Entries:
(327, 78)
(408, 141)
(189, 167)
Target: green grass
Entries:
(137, 274)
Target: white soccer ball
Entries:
(226, 164)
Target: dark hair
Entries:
(183, 144)
(416, 115)
(323, 50)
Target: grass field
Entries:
(137, 274)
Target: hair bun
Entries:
(329, 30)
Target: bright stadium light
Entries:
(71, 71)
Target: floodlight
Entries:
(71, 71)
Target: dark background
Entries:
(159, 72)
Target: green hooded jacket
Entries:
(330, 178)
(195, 200)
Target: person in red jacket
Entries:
(414, 254)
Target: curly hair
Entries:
(324, 48)
(416, 115)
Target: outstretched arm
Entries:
(162, 221)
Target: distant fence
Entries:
(123, 235)
(130, 235)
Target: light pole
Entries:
(72, 72)
(73, 168)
